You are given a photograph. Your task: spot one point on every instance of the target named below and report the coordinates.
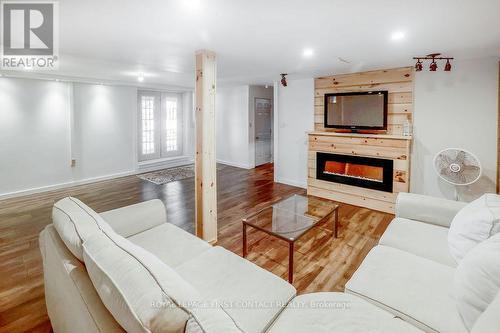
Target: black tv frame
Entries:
(354, 127)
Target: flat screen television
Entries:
(357, 110)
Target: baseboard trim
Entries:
(291, 182)
(142, 169)
(234, 164)
(42, 189)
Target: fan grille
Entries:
(457, 166)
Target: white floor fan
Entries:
(458, 167)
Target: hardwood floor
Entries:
(321, 263)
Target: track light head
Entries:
(433, 67)
(447, 67)
(418, 66)
(283, 80)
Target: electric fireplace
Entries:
(367, 172)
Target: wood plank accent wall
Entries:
(398, 82)
(391, 145)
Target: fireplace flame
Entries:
(353, 170)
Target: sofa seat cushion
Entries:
(339, 313)
(170, 244)
(417, 289)
(252, 296)
(144, 294)
(422, 239)
(75, 222)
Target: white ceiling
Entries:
(255, 40)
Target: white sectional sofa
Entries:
(130, 270)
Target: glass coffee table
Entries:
(290, 219)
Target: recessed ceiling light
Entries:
(308, 53)
(397, 35)
(191, 5)
(140, 78)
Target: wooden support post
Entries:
(205, 160)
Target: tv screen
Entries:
(357, 110)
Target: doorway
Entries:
(263, 131)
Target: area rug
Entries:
(168, 175)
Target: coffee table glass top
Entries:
(292, 217)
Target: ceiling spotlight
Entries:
(447, 67)
(397, 35)
(308, 53)
(433, 66)
(418, 66)
(140, 78)
(283, 80)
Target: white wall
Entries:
(294, 116)
(105, 130)
(456, 109)
(231, 114)
(34, 134)
(256, 92)
(37, 140)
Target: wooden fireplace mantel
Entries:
(361, 135)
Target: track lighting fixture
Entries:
(283, 80)
(433, 66)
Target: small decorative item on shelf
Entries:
(407, 128)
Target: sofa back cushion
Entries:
(477, 280)
(473, 224)
(142, 292)
(75, 222)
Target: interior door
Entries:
(263, 131)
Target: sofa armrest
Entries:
(427, 209)
(131, 220)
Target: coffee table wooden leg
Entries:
(290, 262)
(244, 240)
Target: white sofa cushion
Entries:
(75, 222)
(143, 293)
(170, 244)
(252, 296)
(473, 224)
(416, 289)
(489, 320)
(477, 280)
(134, 219)
(422, 239)
(339, 313)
